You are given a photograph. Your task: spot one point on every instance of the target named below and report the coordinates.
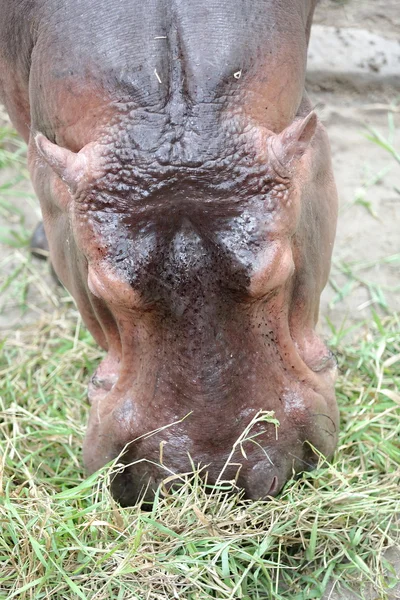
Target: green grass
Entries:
(13, 158)
(63, 537)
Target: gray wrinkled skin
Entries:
(190, 208)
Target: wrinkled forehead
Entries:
(235, 225)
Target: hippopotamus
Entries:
(189, 206)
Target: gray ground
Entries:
(349, 94)
(379, 16)
(369, 221)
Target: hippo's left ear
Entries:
(293, 141)
(69, 166)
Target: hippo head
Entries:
(199, 270)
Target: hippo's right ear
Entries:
(293, 141)
(69, 166)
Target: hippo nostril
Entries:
(263, 480)
(129, 488)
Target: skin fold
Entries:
(190, 208)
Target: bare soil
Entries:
(379, 16)
(368, 232)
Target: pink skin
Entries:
(155, 371)
(192, 220)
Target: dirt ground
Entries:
(366, 260)
(366, 267)
(369, 220)
(368, 230)
(379, 16)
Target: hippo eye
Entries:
(274, 266)
(106, 285)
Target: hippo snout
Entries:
(259, 466)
